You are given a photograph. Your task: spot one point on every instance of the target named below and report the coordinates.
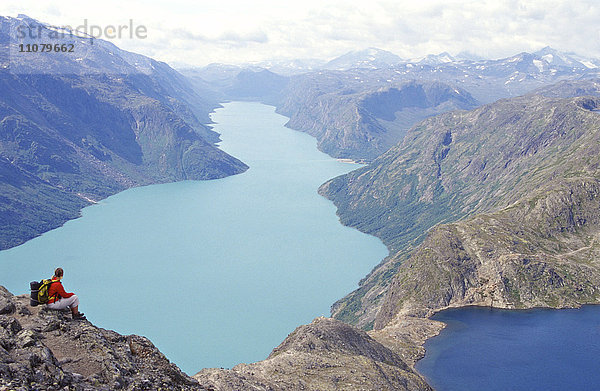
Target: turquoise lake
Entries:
(217, 272)
(492, 349)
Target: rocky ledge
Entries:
(324, 355)
(41, 349)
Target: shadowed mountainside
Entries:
(75, 128)
(351, 120)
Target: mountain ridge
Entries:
(46, 349)
(323, 355)
(320, 100)
(451, 167)
(361, 123)
(91, 126)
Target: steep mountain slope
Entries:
(29, 205)
(324, 355)
(540, 251)
(82, 126)
(360, 122)
(42, 349)
(322, 103)
(463, 164)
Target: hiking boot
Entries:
(79, 316)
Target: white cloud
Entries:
(199, 32)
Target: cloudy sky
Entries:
(231, 31)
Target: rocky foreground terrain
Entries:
(42, 349)
(324, 355)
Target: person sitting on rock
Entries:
(59, 299)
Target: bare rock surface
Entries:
(41, 349)
(324, 355)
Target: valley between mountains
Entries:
(483, 180)
(497, 206)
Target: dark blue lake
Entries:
(490, 349)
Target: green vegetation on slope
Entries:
(72, 131)
(457, 165)
(540, 252)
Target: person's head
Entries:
(58, 273)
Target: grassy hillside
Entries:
(464, 164)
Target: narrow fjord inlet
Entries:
(214, 272)
(326, 196)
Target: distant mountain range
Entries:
(230, 82)
(371, 58)
(75, 128)
(374, 58)
(360, 104)
(314, 100)
(484, 180)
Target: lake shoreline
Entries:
(265, 250)
(522, 316)
(419, 344)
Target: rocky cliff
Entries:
(324, 355)
(42, 349)
(46, 349)
(360, 121)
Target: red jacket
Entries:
(57, 291)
